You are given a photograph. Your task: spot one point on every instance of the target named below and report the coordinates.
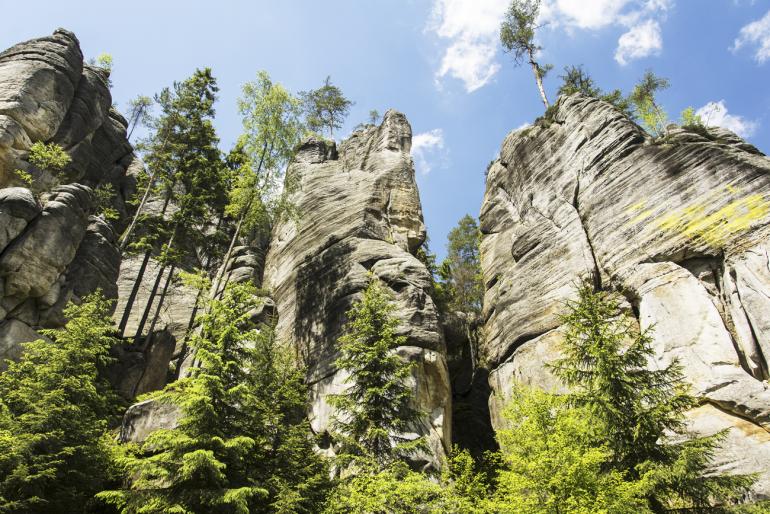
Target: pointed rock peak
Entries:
(395, 132)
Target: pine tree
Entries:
(54, 409)
(376, 409)
(325, 107)
(646, 106)
(639, 410)
(576, 80)
(243, 443)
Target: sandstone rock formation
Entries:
(360, 213)
(53, 246)
(680, 227)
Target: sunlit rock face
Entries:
(359, 213)
(680, 228)
(53, 247)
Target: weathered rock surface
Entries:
(680, 228)
(360, 214)
(53, 248)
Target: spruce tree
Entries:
(640, 411)
(54, 410)
(243, 443)
(376, 409)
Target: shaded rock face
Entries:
(680, 228)
(53, 247)
(360, 213)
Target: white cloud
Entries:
(756, 33)
(471, 29)
(715, 114)
(427, 147)
(641, 40)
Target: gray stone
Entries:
(360, 214)
(17, 208)
(679, 226)
(12, 334)
(143, 418)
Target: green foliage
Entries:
(242, 444)
(376, 409)
(48, 157)
(576, 80)
(460, 272)
(184, 160)
(692, 121)
(374, 116)
(639, 412)
(139, 113)
(325, 107)
(104, 61)
(104, 195)
(645, 105)
(553, 461)
(25, 177)
(517, 35)
(271, 131)
(517, 32)
(54, 410)
(398, 490)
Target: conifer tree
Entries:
(576, 80)
(325, 107)
(54, 410)
(243, 443)
(376, 409)
(646, 106)
(639, 409)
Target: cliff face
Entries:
(360, 213)
(52, 247)
(681, 229)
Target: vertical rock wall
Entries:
(680, 227)
(52, 247)
(360, 213)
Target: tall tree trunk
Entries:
(162, 298)
(127, 234)
(538, 79)
(154, 291)
(134, 291)
(228, 255)
(140, 276)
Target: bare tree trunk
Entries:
(538, 79)
(127, 234)
(160, 302)
(134, 291)
(153, 292)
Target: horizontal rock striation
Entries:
(678, 226)
(53, 245)
(360, 213)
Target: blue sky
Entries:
(437, 61)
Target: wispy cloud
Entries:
(471, 30)
(715, 114)
(642, 40)
(757, 35)
(428, 150)
(471, 26)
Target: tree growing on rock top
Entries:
(646, 106)
(577, 80)
(517, 35)
(325, 107)
(376, 409)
